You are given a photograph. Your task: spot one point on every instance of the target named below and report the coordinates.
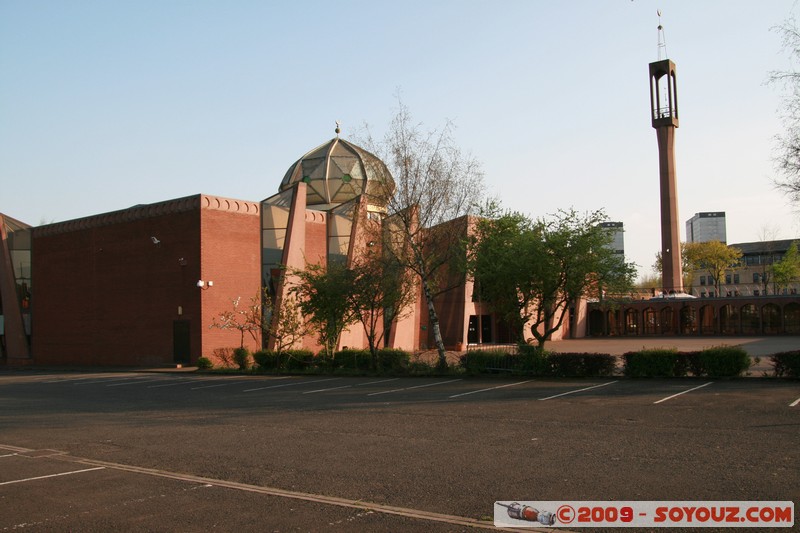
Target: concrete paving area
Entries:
(86, 451)
(755, 346)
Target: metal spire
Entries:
(662, 43)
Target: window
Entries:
(727, 279)
(756, 277)
(736, 278)
(702, 280)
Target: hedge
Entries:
(722, 361)
(533, 362)
(787, 364)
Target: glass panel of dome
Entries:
(345, 192)
(315, 168)
(344, 165)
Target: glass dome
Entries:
(338, 171)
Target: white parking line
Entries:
(684, 392)
(52, 475)
(181, 382)
(578, 390)
(794, 403)
(374, 382)
(490, 388)
(216, 385)
(415, 387)
(135, 382)
(291, 384)
(101, 380)
(323, 390)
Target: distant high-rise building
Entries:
(705, 227)
(618, 239)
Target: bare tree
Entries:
(788, 144)
(436, 183)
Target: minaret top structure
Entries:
(662, 41)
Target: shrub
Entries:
(581, 364)
(787, 364)
(297, 359)
(352, 359)
(688, 363)
(266, 359)
(241, 356)
(651, 363)
(392, 359)
(533, 361)
(204, 363)
(224, 356)
(724, 361)
(484, 361)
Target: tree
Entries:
(686, 267)
(323, 295)
(537, 269)
(244, 319)
(788, 159)
(435, 184)
(787, 269)
(714, 257)
(285, 329)
(501, 251)
(381, 292)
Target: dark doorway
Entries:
(181, 341)
(482, 324)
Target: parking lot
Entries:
(148, 451)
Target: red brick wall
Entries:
(104, 294)
(231, 258)
(107, 294)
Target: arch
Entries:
(751, 325)
(728, 320)
(668, 323)
(770, 319)
(596, 326)
(707, 322)
(613, 322)
(631, 322)
(688, 322)
(650, 321)
(791, 318)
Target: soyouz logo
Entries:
(644, 514)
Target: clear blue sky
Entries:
(104, 105)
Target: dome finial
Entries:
(338, 129)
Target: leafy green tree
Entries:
(381, 292)
(787, 269)
(531, 271)
(686, 267)
(501, 251)
(323, 295)
(714, 257)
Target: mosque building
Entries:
(142, 286)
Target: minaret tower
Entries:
(664, 117)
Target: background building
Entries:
(752, 276)
(705, 227)
(617, 230)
